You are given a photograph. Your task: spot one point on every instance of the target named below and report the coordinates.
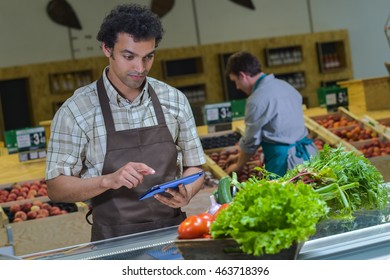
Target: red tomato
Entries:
(208, 218)
(223, 206)
(192, 227)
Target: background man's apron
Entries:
(119, 212)
(281, 157)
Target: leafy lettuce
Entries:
(268, 216)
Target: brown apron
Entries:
(120, 212)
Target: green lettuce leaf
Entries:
(268, 216)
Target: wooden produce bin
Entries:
(382, 160)
(53, 232)
(25, 192)
(336, 124)
(377, 93)
(381, 124)
(12, 170)
(220, 139)
(316, 131)
(215, 142)
(368, 94)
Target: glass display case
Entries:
(365, 237)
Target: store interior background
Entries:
(29, 36)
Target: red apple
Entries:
(15, 191)
(37, 203)
(4, 192)
(17, 220)
(43, 212)
(21, 214)
(46, 206)
(55, 211)
(32, 215)
(14, 208)
(42, 192)
(12, 196)
(24, 194)
(26, 206)
(25, 189)
(32, 192)
(34, 187)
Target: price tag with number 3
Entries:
(31, 143)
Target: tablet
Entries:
(172, 184)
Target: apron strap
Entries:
(89, 213)
(156, 105)
(106, 110)
(300, 147)
(105, 105)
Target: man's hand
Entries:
(131, 175)
(233, 158)
(181, 196)
(232, 168)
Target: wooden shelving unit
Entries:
(331, 56)
(283, 55)
(198, 70)
(68, 82)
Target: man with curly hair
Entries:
(124, 133)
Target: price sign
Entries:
(218, 113)
(31, 143)
(332, 98)
(218, 116)
(337, 98)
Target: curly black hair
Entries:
(138, 21)
(242, 62)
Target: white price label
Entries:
(218, 113)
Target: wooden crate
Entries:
(382, 163)
(330, 132)
(220, 139)
(226, 249)
(33, 236)
(211, 165)
(9, 187)
(12, 170)
(316, 130)
(377, 93)
(382, 125)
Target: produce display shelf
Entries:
(366, 238)
(50, 232)
(381, 124)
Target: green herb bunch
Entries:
(268, 216)
(346, 180)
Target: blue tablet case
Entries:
(172, 184)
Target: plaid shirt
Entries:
(77, 143)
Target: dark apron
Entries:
(120, 212)
(276, 155)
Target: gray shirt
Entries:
(273, 114)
